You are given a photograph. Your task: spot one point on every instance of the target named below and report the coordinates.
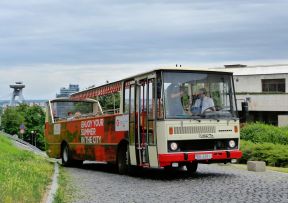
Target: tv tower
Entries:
(18, 87)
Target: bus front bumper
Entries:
(202, 157)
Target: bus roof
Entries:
(69, 99)
(116, 86)
(179, 69)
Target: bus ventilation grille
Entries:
(194, 129)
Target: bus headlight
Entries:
(173, 146)
(232, 143)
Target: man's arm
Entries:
(211, 105)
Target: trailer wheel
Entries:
(192, 167)
(78, 163)
(122, 159)
(66, 156)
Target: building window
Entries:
(273, 85)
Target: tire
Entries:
(66, 156)
(122, 160)
(168, 168)
(192, 167)
(78, 163)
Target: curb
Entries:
(52, 189)
(54, 185)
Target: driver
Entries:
(203, 103)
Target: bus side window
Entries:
(126, 98)
(131, 110)
(151, 111)
(159, 99)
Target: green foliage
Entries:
(82, 107)
(107, 101)
(272, 154)
(33, 117)
(260, 133)
(265, 142)
(23, 175)
(11, 120)
(216, 98)
(34, 121)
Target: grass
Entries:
(65, 190)
(24, 176)
(278, 169)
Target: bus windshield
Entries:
(198, 95)
(70, 109)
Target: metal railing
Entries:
(15, 138)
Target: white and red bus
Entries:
(136, 122)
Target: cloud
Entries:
(100, 31)
(74, 37)
(43, 82)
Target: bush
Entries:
(272, 154)
(264, 133)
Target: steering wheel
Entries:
(210, 109)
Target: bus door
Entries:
(142, 122)
(141, 133)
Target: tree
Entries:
(11, 120)
(108, 101)
(33, 117)
(34, 121)
(1, 112)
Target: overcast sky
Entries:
(48, 44)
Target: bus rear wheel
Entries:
(192, 167)
(122, 159)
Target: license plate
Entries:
(203, 156)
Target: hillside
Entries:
(24, 176)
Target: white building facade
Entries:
(265, 88)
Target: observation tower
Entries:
(18, 91)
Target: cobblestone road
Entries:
(211, 183)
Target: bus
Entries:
(136, 122)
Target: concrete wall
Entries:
(264, 102)
(266, 107)
(252, 83)
(282, 120)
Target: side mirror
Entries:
(245, 111)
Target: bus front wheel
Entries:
(192, 167)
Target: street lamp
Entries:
(33, 137)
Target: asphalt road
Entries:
(211, 183)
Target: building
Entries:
(39, 102)
(265, 89)
(66, 92)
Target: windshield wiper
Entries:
(232, 118)
(198, 118)
(210, 117)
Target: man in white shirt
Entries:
(203, 103)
